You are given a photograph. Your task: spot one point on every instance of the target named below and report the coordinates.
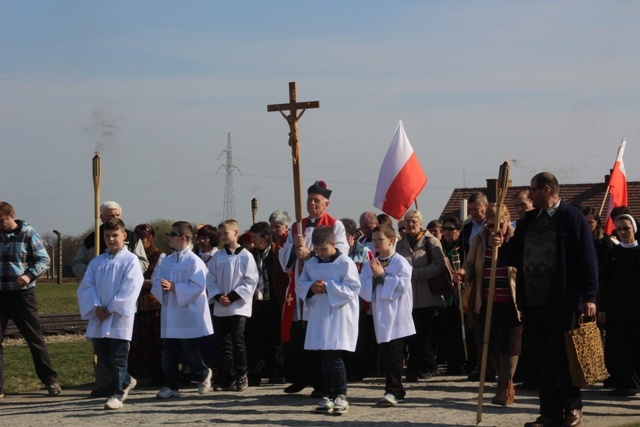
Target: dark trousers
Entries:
(115, 354)
(334, 373)
(422, 356)
(188, 348)
(263, 344)
(546, 328)
(302, 366)
(22, 308)
(449, 340)
(364, 361)
(392, 356)
(229, 332)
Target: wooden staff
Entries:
(97, 177)
(503, 182)
(254, 209)
(292, 119)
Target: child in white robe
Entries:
(180, 285)
(386, 283)
(231, 283)
(329, 286)
(107, 298)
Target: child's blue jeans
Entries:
(114, 354)
(335, 375)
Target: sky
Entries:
(158, 86)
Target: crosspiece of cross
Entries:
(292, 119)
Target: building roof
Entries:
(584, 195)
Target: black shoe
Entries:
(295, 388)
(242, 383)
(277, 380)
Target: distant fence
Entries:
(53, 324)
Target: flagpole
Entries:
(503, 180)
(604, 200)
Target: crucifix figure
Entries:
(292, 118)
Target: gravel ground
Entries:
(439, 401)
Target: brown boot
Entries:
(505, 394)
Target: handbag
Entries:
(443, 282)
(585, 353)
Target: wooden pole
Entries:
(503, 182)
(97, 178)
(254, 209)
(292, 119)
(604, 200)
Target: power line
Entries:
(229, 211)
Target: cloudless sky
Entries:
(156, 87)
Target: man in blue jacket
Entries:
(557, 280)
(23, 259)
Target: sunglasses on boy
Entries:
(174, 234)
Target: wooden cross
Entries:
(293, 106)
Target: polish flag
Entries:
(617, 188)
(401, 177)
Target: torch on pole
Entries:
(254, 209)
(503, 184)
(97, 178)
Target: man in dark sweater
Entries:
(557, 280)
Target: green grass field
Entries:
(72, 360)
(53, 298)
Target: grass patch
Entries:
(72, 360)
(54, 298)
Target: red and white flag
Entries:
(617, 188)
(401, 177)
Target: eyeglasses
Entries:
(380, 239)
(174, 234)
(490, 226)
(448, 228)
(625, 229)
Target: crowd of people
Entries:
(328, 301)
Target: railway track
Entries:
(53, 324)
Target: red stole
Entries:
(290, 300)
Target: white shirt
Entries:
(392, 301)
(333, 316)
(112, 281)
(233, 272)
(185, 311)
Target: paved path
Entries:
(439, 401)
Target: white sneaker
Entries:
(204, 386)
(388, 400)
(340, 404)
(128, 388)
(325, 406)
(113, 403)
(166, 393)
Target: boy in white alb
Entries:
(107, 298)
(179, 283)
(386, 283)
(329, 286)
(231, 283)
